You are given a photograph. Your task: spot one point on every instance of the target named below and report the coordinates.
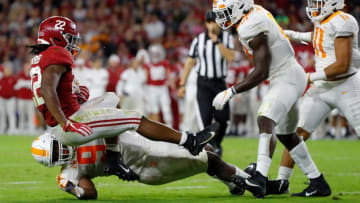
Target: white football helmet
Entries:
(49, 152)
(229, 12)
(317, 10)
(157, 53)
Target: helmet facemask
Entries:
(72, 41)
(60, 154)
(317, 10)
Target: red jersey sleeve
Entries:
(56, 55)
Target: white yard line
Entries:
(186, 187)
(21, 183)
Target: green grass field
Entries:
(24, 180)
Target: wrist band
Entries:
(318, 75)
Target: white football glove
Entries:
(222, 98)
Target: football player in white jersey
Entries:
(273, 56)
(154, 162)
(336, 83)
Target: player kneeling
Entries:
(153, 162)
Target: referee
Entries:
(210, 53)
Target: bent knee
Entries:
(303, 133)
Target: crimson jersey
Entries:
(7, 85)
(114, 77)
(157, 74)
(24, 91)
(54, 55)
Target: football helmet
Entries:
(229, 12)
(49, 152)
(317, 10)
(59, 31)
(157, 53)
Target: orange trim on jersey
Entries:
(323, 54)
(314, 42)
(330, 17)
(247, 52)
(222, 6)
(245, 18)
(39, 152)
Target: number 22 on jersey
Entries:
(35, 74)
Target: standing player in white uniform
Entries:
(273, 56)
(336, 83)
(155, 162)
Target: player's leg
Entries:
(2, 116)
(108, 122)
(299, 152)
(22, 111)
(165, 106)
(11, 114)
(31, 115)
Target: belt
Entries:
(342, 77)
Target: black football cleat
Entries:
(277, 187)
(196, 141)
(318, 188)
(256, 185)
(115, 166)
(251, 169)
(237, 186)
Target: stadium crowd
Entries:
(120, 39)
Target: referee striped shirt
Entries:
(210, 63)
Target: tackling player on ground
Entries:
(265, 42)
(58, 98)
(336, 83)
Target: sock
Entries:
(333, 131)
(342, 132)
(302, 158)
(241, 173)
(113, 147)
(284, 173)
(263, 159)
(183, 139)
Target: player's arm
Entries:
(262, 60)
(189, 64)
(299, 36)
(84, 190)
(49, 84)
(227, 53)
(343, 52)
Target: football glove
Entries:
(83, 94)
(223, 97)
(79, 128)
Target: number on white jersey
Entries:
(35, 74)
(89, 154)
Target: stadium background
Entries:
(121, 28)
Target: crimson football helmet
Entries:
(59, 31)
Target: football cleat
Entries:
(115, 166)
(195, 142)
(251, 169)
(277, 187)
(318, 188)
(256, 185)
(238, 187)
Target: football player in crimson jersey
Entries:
(56, 97)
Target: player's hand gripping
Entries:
(222, 98)
(79, 128)
(83, 94)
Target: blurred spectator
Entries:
(131, 87)
(7, 101)
(154, 27)
(97, 83)
(114, 71)
(26, 109)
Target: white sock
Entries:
(183, 139)
(302, 158)
(333, 131)
(284, 173)
(263, 159)
(342, 131)
(241, 173)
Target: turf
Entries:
(23, 180)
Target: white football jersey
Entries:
(89, 161)
(257, 21)
(339, 24)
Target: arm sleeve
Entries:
(347, 29)
(193, 53)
